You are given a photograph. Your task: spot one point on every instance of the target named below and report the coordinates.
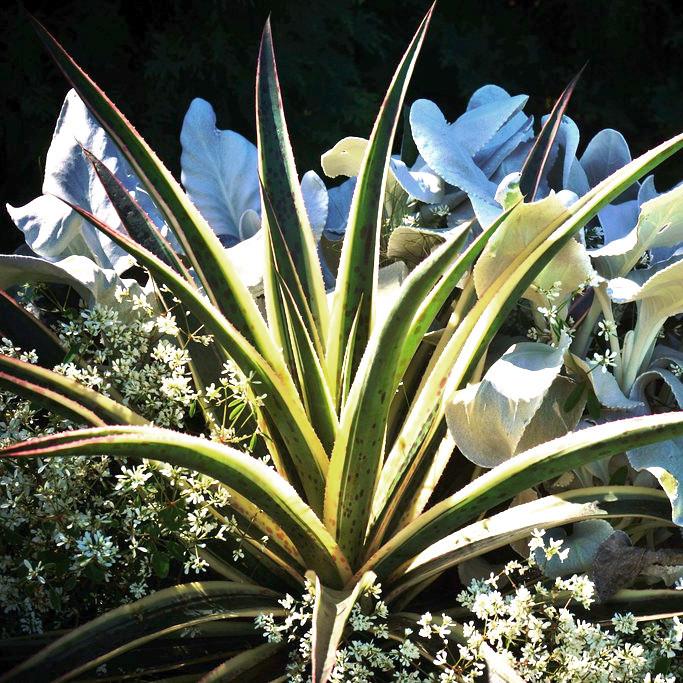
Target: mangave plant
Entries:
(356, 479)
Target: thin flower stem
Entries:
(606, 307)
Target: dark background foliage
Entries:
(335, 60)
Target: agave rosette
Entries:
(359, 392)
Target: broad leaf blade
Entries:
(430, 302)
(357, 275)
(260, 523)
(295, 329)
(247, 475)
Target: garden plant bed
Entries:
(418, 422)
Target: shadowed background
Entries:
(335, 60)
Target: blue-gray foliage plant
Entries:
(219, 172)
(460, 171)
(632, 252)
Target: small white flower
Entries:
(625, 623)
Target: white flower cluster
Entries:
(531, 627)
(81, 535)
(136, 358)
(552, 320)
(534, 628)
(369, 654)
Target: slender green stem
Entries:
(584, 334)
(606, 306)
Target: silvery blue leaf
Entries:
(419, 181)
(219, 170)
(468, 152)
(477, 126)
(316, 202)
(660, 254)
(250, 224)
(19, 270)
(607, 389)
(440, 148)
(513, 162)
(339, 204)
(577, 181)
(54, 231)
(606, 153)
(647, 190)
(618, 220)
(517, 130)
(485, 210)
(329, 279)
(498, 417)
(486, 95)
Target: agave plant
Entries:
(366, 484)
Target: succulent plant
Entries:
(366, 482)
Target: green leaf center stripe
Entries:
(360, 444)
(285, 202)
(291, 320)
(392, 472)
(72, 392)
(52, 400)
